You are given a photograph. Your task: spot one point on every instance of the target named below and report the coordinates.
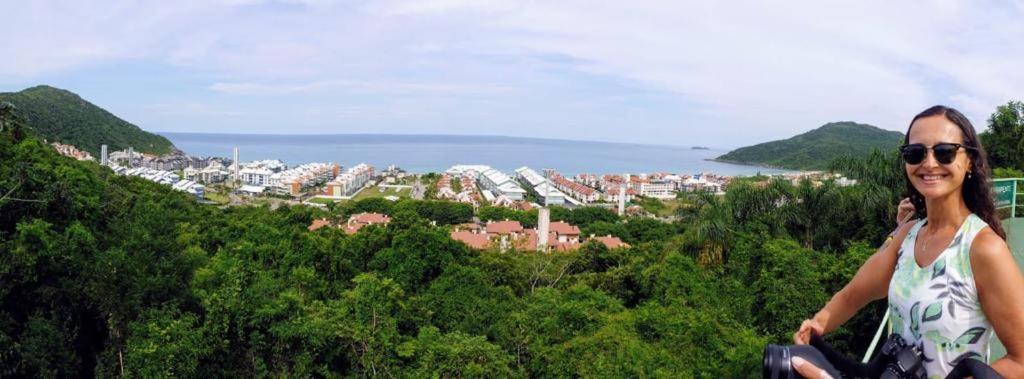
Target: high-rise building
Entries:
(104, 158)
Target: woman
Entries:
(949, 277)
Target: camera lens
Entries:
(776, 363)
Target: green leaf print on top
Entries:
(906, 279)
(932, 312)
(915, 321)
(970, 336)
(895, 320)
(939, 268)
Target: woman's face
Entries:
(931, 178)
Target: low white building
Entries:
(548, 194)
(501, 185)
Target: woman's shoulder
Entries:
(989, 248)
(903, 230)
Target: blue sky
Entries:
(722, 74)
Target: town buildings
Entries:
(505, 235)
(71, 151)
(292, 181)
(547, 194)
(354, 223)
(578, 191)
(350, 182)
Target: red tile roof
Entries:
(319, 223)
(564, 228)
(369, 218)
(504, 227)
(474, 240)
(528, 241)
(611, 242)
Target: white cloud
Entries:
(357, 86)
(768, 69)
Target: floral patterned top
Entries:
(936, 306)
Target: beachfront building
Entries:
(611, 194)
(163, 177)
(293, 181)
(257, 173)
(255, 176)
(700, 182)
(126, 157)
(575, 190)
(214, 172)
(589, 180)
(171, 162)
(546, 192)
(501, 185)
(473, 169)
(351, 181)
(656, 188)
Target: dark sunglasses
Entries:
(944, 153)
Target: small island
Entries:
(700, 148)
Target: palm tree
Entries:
(711, 223)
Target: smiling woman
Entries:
(950, 279)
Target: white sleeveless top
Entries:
(937, 307)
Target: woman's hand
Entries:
(809, 370)
(807, 328)
(904, 211)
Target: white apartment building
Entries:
(501, 184)
(349, 182)
(548, 194)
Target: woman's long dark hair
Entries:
(977, 189)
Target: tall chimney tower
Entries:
(234, 165)
(622, 194)
(543, 228)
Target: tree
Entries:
(1004, 139)
(455, 354)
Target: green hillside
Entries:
(815, 149)
(62, 116)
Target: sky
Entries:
(713, 73)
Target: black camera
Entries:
(896, 359)
(900, 359)
(777, 363)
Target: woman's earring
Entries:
(968, 175)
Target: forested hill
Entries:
(815, 149)
(62, 116)
(104, 275)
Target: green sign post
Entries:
(1004, 192)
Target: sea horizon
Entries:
(436, 152)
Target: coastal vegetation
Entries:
(814, 149)
(106, 275)
(59, 115)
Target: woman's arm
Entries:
(1001, 293)
(870, 283)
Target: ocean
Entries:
(435, 153)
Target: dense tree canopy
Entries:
(107, 275)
